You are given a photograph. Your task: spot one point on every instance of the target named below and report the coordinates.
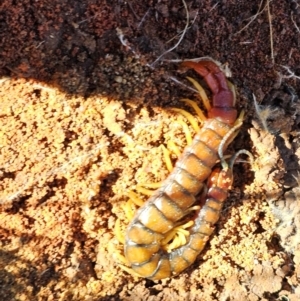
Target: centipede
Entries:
(194, 176)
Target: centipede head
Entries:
(223, 92)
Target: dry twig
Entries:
(179, 41)
(295, 24)
(260, 10)
(271, 31)
(291, 73)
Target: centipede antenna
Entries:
(237, 154)
(227, 138)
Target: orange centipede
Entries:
(180, 191)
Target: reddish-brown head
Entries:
(223, 100)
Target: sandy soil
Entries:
(85, 105)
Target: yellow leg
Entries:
(172, 148)
(141, 188)
(148, 192)
(194, 105)
(189, 117)
(177, 237)
(167, 157)
(129, 209)
(135, 198)
(129, 270)
(187, 132)
(202, 93)
(121, 258)
(118, 232)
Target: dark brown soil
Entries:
(85, 98)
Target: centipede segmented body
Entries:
(179, 192)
